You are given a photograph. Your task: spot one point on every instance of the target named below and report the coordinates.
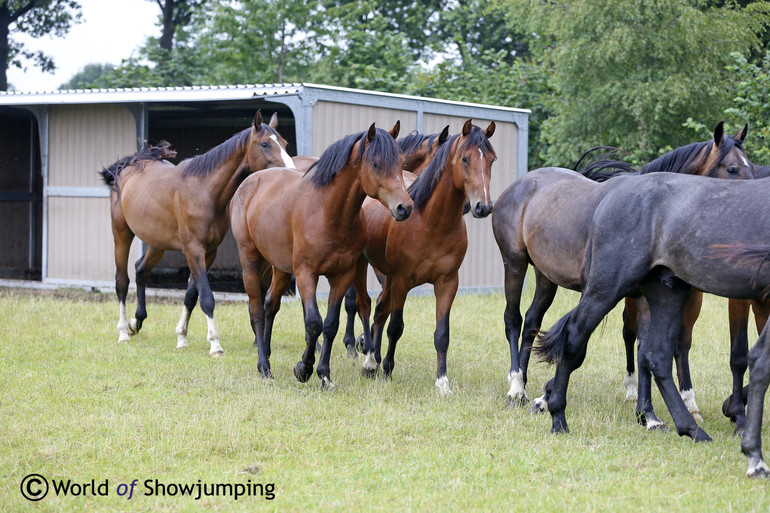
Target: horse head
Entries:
(472, 159)
(417, 157)
(726, 158)
(266, 146)
(380, 168)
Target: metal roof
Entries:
(203, 93)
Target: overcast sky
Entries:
(111, 30)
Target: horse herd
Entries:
(659, 237)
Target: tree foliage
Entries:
(35, 18)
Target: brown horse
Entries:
(418, 150)
(428, 248)
(311, 225)
(543, 218)
(183, 208)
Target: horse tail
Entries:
(603, 167)
(550, 347)
(139, 159)
(742, 255)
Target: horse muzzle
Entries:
(401, 212)
(481, 210)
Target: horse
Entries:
(642, 239)
(542, 219)
(183, 207)
(311, 225)
(418, 150)
(427, 248)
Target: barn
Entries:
(55, 211)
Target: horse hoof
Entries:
(559, 430)
(216, 353)
(133, 327)
(302, 372)
(738, 431)
(519, 401)
(360, 343)
(369, 373)
(265, 374)
(352, 353)
(442, 384)
(539, 405)
(182, 345)
(697, 416)
(326, 384)
(701, 436)
(758, 471)
(123, 338)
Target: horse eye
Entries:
(732, 170)
(465, 159)
(264, 144)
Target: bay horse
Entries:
(183, 207)
(311, 225)
(418, 150)
(643, 239)
(427, 248)
(542, 219)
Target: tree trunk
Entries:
(167, 37)
(5, 22)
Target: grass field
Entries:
(76, 405)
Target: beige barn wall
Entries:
(332, 121)
(83, 140)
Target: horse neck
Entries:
(225, 179)
(343, 198)
(444, 208)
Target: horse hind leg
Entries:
(349, 339)
(759, 379)
(691, 313)
(190, 300)
(630, 321)
(144, 265)
(123, 237)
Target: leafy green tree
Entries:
(628, 73)
(752, 104)
(175, 14)
(88, 76)
(35, 18)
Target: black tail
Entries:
(147, 154)
(602, 167)
(550, 347)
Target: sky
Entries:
(109, 31)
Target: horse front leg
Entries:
(445, 289)
(630, 321)
(349, 339)
(667, 298)
(381, 312)
(363, 305)
(339, 285)
(759, 378)
(691, 312)
(307, 283)
(143, 266)
(190, 300)
(397, 292)
(734, 406)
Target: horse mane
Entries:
(422, 188)
(414, 140)
(202, 165)
(603, 168)
(139, 160)
(381, 150)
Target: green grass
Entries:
(75, 404)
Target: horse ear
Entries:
(258, 120)
(490, 129)
(741, 135)
(396, 129)
(371, 134)
(444, 135)
(719, 133)
(274, 120)
(467, 127)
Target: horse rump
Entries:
(160, 151)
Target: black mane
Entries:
(413, 141)
(202, 165)
(422, 188)
(382, 150)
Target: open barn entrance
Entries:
(192, 129)
(21, 195)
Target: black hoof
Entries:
(352, 354)
(538, 407)
(518, 402)
(360, 343)
(559, 430)
(265, 374)
(701, 436)
(368, 373)
(302, 372)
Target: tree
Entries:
(752, 105)
(36, 18)
(629, 73)
(88, 76)
(175, 14)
